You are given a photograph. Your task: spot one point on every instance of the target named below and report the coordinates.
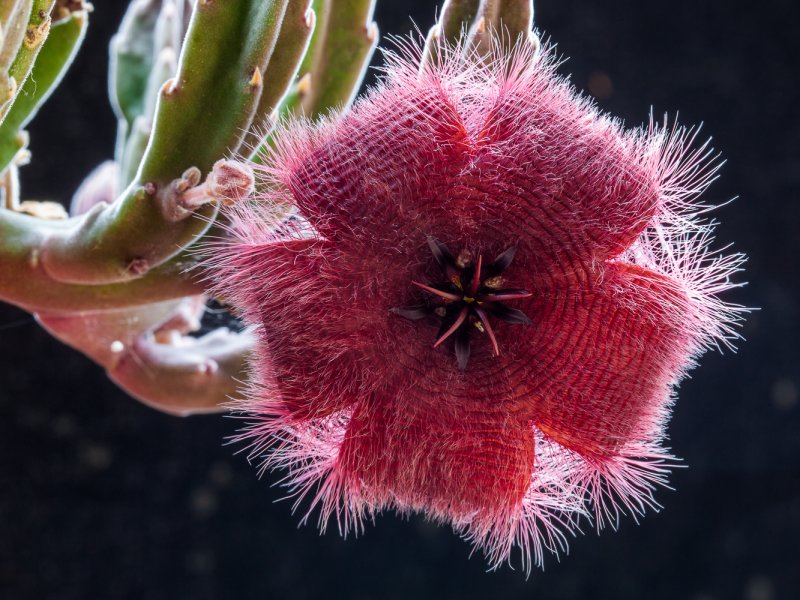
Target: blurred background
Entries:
(101, 497)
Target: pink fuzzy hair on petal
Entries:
(475, 296)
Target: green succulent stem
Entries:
(37, 27)
(514, 16)
(182, 104)
(134, 135)
(25, 283)
(479, 24)
(341, 47)
(201, 115)
(54, 58)
(212, 100)
(342, 44)
(292, 43)
(14, 15)
(506, 21)
(132, 149)
(455, 20)
(338, 56)
(131, 52)
(456, 17)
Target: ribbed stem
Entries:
(201, 115)
(36, 27)
(25, 283)
(54, 58)
(292, 44)
(146, 351)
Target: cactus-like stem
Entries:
(118, 268)
(201, 115)
(514, 16)
(9, 188)
(479, 21)
(146, 351)
(167, 40)
(507, 20)
(344, 39)
(25, 283)
(55, 56)
(131, 51)
(36, 30)
(14, 15)
(341, 47)
(290, 47)
(131, 149)
(210, 103)
(455, 19)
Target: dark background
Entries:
(101, 497)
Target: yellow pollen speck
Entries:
(494, 282)
(464, 259)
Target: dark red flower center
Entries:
(467, 298)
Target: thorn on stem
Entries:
(138, 266)
(304, 85)
(256, 80)
(35, 35)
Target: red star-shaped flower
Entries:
(480, 304)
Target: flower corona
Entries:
(564, 260)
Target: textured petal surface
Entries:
(351, 396)
(374, 168)
(602, 359)
(471, 156)
(401, 452)
(307, 367)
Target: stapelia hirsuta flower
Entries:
(480, 304)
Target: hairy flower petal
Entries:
(604, 357)
(479, 463)
(440, 192)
